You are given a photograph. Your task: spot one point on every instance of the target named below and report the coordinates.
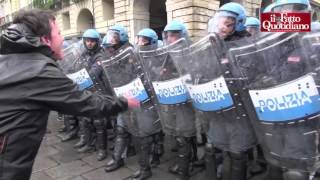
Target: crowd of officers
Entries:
(230, 23)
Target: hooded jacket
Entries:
(32, 84)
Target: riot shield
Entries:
(75, 68)
(126, 77)
(175, 109)
(283, 99)
(214, 94)
(71, 55)
(311, 45)
(206, 85)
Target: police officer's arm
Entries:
(57, 92)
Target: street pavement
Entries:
(58, 160)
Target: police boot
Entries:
(131, 151)
(210, 163)
(159, 141)
(114, 165)
(101, 145)
(101, 139)
(120, 144)
(238, 166)
(112, 129)
(295, 175)
(194, 159)
(174, 168)
(70, 134)
(158, 150)
(316, 175)
(274, 173)
(60, 117)
(184, 158)
(81, 142)
(182, 173)
(175, 147)
(90, 145)
(155, 160)
(63, 128)
(259, 163)
(142, 174)
(102, 154)
(72, 128)
(84, 132)
(144, 156)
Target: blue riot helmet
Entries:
(160, 43)
(252, 25)
(105, 42)
(269, 8)
(174, 31)
(89, 36)
(291, 6)
(240, 12)
(252, 21)
(147, 35)
(229, 18)
(117, 35)
(315, 26)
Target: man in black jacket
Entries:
(31, 84)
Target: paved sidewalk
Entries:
(58, 160)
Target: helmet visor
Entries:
(291, 8)
(223, 23)
(172, 36)
(113, 37)
(143, 41)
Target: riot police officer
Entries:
(230, 129)
(93, 130)
(149, 138)
(69, 128)
(291, 6)
(117, 40)
(253, 25)
(149, 38)
(182, 114)
(289, 70)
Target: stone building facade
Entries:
(75, 16)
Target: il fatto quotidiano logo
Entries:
(285, 22)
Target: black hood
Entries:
(19, 39)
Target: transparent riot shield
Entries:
(175, 109)
(205, 83)
(214, 95)
(126, 77)
(283, 99)
(75, 67)
(311, 45)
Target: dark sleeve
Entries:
(53, 90)
(96, 70)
